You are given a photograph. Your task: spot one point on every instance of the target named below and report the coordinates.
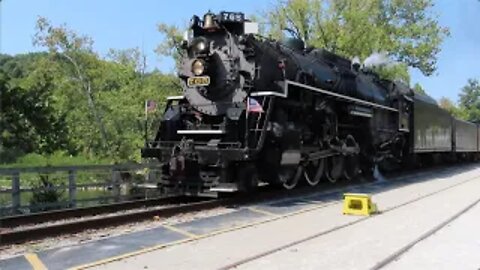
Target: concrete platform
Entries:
(367, 243)
(267, 229)
(323, 238)
(457, 246)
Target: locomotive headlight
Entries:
(200, 46)
(198, 67)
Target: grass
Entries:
(55, 159)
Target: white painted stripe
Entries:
(356, 100)
(175, 97)
(364, 114)
(330, 93)
(223, 189)
(213, 131)
(267, 93)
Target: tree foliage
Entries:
(170, 47)
(76, 50)
(470, 100)
(406, 30)
(28, 120)
(419, 89)
(49, 99)
(450, 107)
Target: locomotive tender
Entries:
(259, 110)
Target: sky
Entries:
(123, 24)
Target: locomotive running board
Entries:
(285, 85)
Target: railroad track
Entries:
(28, 219)
(82, 219)
(96, 219)
(97, 222)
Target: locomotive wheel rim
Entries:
(335, 168)
(292, 178)
(315, 169)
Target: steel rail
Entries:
(36, 233)
(40, 232)
(27, 219)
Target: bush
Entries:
(47, 192)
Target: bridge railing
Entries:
(35, 189)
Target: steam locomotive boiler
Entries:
(258, 110)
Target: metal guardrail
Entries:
(113, 180)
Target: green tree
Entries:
(28, 120)
(170, 46)
(132, 58)
(77, 52)
(450, 106)
(419, 89)
(69, 101)
(470, 100)
(406, 30)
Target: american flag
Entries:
(150, 106)
(254, 106)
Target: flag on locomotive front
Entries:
(150, 106)
(254, 106)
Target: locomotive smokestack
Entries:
(356, 63)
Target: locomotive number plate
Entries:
(198, 81)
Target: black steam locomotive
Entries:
(258, 110)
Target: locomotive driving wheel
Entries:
(335, 166)
(289, 177)
(314, 170)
